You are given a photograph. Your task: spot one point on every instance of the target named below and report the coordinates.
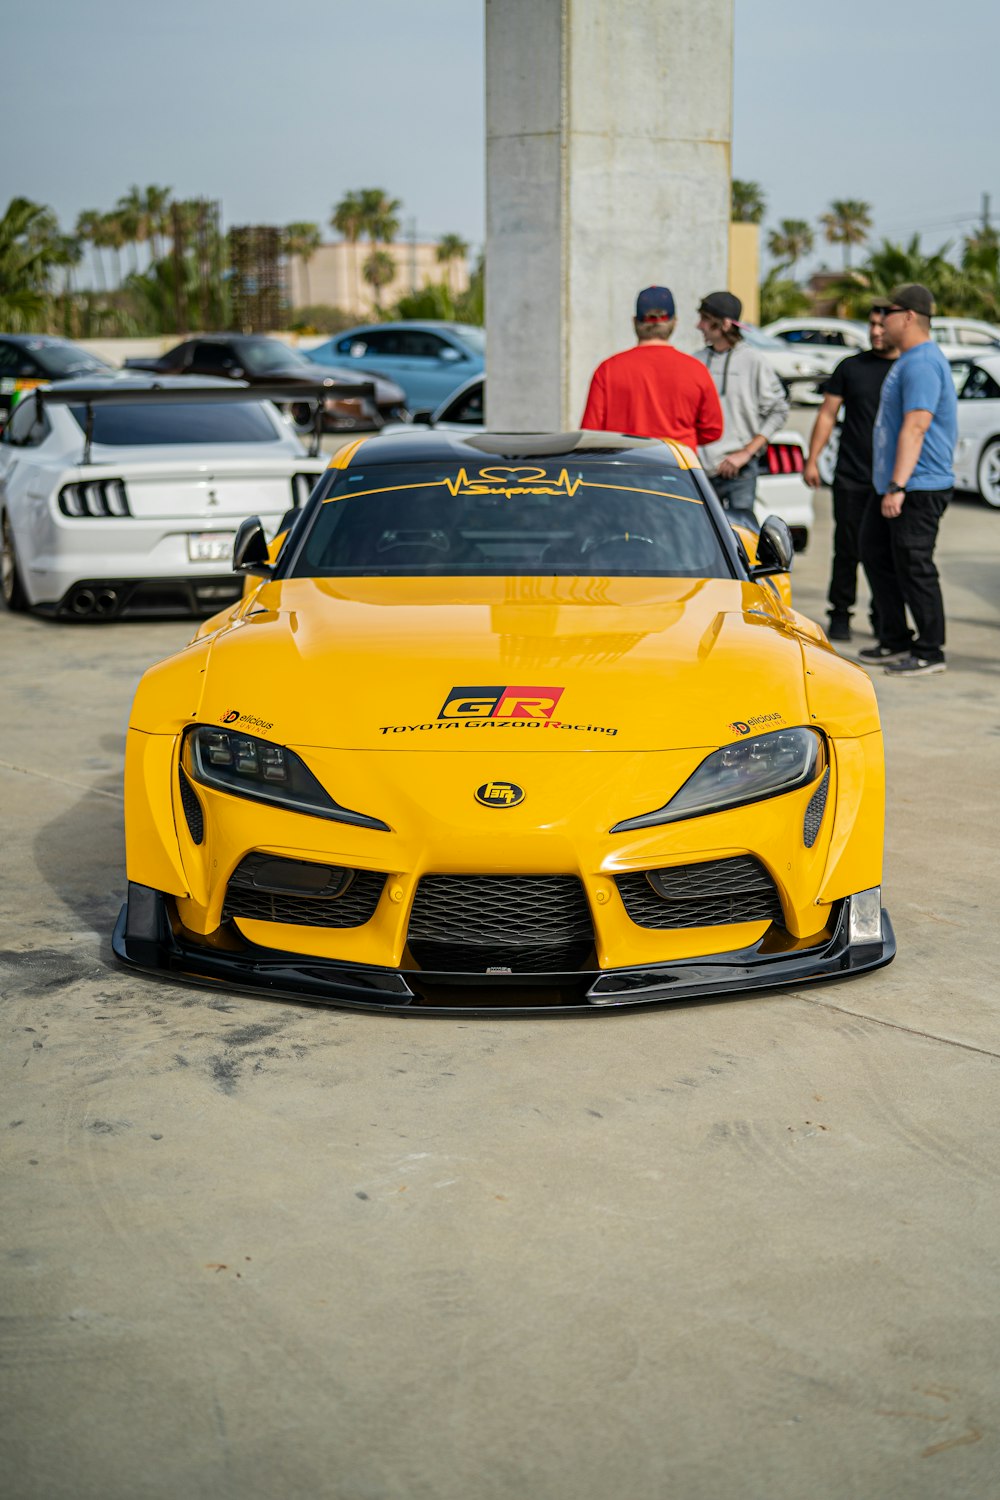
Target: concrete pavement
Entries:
(742, 1249)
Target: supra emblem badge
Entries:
(499, 794)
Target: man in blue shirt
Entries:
(914, 438)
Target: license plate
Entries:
(210, 546)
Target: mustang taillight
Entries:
(784, 458)
(94, 497)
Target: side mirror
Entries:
(775, 549)
(250, 548)
(422, 418)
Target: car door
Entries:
(211, 357)
(19, 372)
(977, 452)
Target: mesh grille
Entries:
(712, 894)
(814, 812)
(192, 808)
(525, 923)
(355, 907)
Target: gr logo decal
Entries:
(499, 794)
(500, 703)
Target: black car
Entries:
(31, 359)
(260, 360)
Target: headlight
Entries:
(750, 771)
(263, 772)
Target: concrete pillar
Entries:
(608, 128)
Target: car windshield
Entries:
(473, 336)
(142, 425)
(66, 359)
(562, 516)
(264, 356)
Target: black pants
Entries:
(738, 495)
(898, 556)
(850, 501)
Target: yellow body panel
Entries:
(604, 695)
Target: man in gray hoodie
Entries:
(754, 405)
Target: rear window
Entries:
(142, 425)
(67, 359)
(603, 518)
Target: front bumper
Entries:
(149, 936)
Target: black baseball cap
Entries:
(912, 297)
(722, 305)
(655, 299)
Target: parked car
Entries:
(977, 452)
(781, 490)
(123, 497)
(825, 340)
(359, 810)
(427, 359)
(798, 370)
(28, 360)
(256, 359)
(965, 336)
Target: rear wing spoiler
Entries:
(107, 394)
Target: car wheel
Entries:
(13, 590)
(988, 472)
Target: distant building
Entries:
(334, 278)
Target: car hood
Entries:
(540, 663)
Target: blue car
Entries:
(427, 359)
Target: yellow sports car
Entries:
(506, 721)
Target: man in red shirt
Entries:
(653, 390)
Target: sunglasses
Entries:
(888, 312)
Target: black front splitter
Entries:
(148, 937)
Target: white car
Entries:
(124, 496)
(826, 340)
(977, 452)
(798, 370)
(781, 490)
(963, 337)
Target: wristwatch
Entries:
(892, 488)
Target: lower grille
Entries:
(353, 907)
(192, 808)
(527, 924)
(712, 894)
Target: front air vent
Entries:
(192, 808)
(94, 499)
(265, 888)
(814, 812)
(715, 893)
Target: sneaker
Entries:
(839, 628)
(914, 666)
(877, 656)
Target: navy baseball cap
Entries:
(655, 299)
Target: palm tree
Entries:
(113, 237)
(156, 205)
(379, 215)
(131, 212)
(748, 202)
(847, 224)
(789, 242)
(451, 247)
(895, 265)
(25, 258)
(301, 241)
(378, 270)
(348, 219)
(781, 297)
(88, 229)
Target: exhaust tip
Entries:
(83, 602)
(106, 602)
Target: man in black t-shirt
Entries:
(856, 384)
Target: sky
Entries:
(279, 113)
